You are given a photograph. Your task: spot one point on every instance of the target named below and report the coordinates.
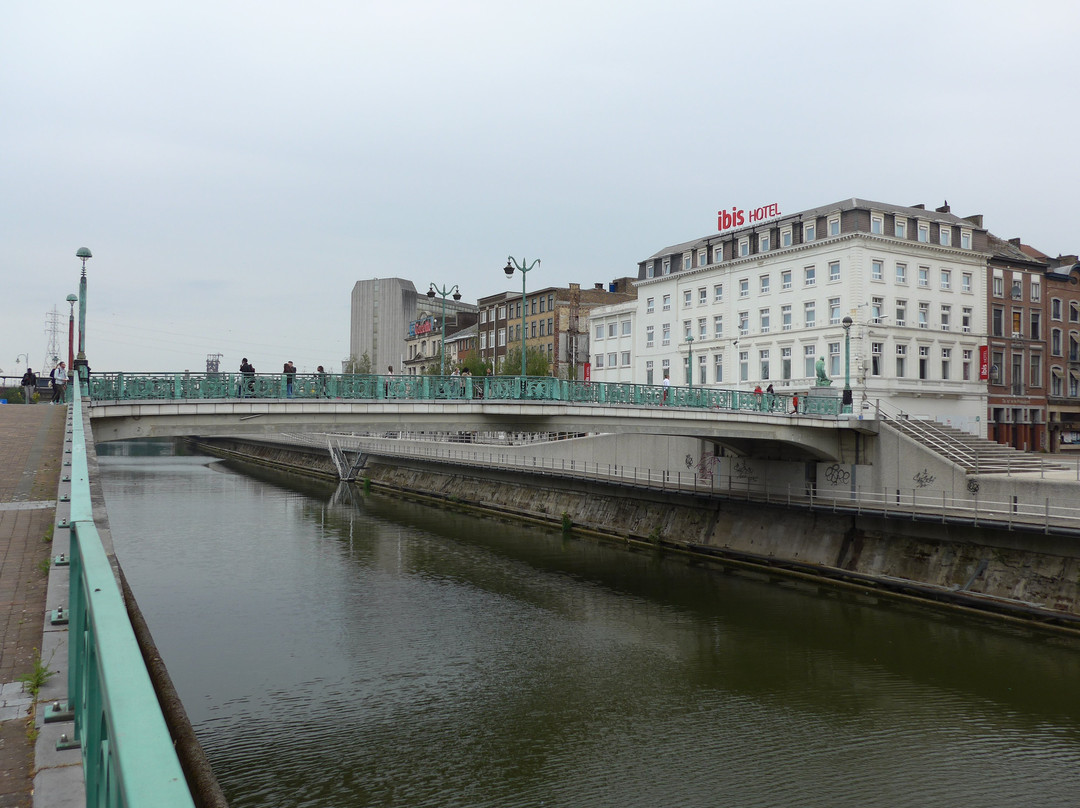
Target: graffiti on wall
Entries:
(837, 475)
(923, 478)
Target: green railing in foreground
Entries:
(362, 387)
(127, 753)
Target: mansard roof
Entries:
(1011, 251)
(854, 203)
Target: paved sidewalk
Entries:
(31, 452)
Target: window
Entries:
(543, 333)
(744, 247)
(744, 287)
(965, 239)
(1055, 383)
(625, 359)
(944, 236)
(625, 328)
(965, 282)
(901, 273)
(718, 326)
(997, 322)
(502, 312)
(687, 333)
(901, 355)
(924, 277)
(924, 315)
(877, 224)
(834, 270)
(809, 231)
(764, 242)
(533, 335)
(612, 360)
(533, 306)
(649, 336)
(483, 315)
(834, 311)
(702, 258)
(718, 293)
(966, 365)
(764, 284)
(703, 328)
(763, 363)
(999, 286)
(686, 261)
(946, 318)
(542, 302)
(877, 304)
(744, 323)
(667, 303)
(834, 358)
(1074, 312)
(1055, 308)
(965, 319)
(650, 305)
(785, 363)
(483, 340)
(650, 270)
(900, 227)
(502, 337)
(834, 226)
(809, 314)
(924, 232)
(946, 279)
(1036, 289)
(687, 298)
(718, 367)
(785, 279)
(702, 369)
(1017, 323)
(877, 270)
(1036, 370)
(809, 276)
(785, 317)
(764, 318)
(901, 312)
(785, 237)
(1036, 326)
(612, 329)
(744, 365)
(809, 354)
(600, 331)
(702, 296)
(667, 266)
(598, 361)
(876, 349)
(649, 372)
(924, 362)
(1055, 342)
(665, 334)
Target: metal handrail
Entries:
(369, 387)
(907, 504)
(127, 754)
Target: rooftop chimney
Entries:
(944, 208)
(1015, 242)
(976, 220)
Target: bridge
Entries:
(124, 406)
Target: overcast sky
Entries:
(236, 167)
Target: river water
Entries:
(337, 649)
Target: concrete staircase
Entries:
(974, 455)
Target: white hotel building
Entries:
(762, 302)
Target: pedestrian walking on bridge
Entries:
(29, 382)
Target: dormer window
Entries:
(785, 237)
(945, 235)
(877, 224)
(965, 239)
(809, 231)
(900, 227)
(744, 247)
(924, 232)
(834, 226)
(764, 242)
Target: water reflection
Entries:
(349, 650)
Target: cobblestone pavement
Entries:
(31, 452)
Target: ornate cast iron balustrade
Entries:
(362, 387)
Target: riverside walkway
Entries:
(32, 439)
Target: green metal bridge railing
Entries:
(127, 753)
(364, 387)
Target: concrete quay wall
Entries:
(1028, 575)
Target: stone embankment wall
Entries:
(1026, 575)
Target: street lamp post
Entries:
(511, 265)
(72, 300)
(690, 361)
(431, 292)
(83, 254)
(846, 400)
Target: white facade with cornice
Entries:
(764, 302)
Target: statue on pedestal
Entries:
(822, 379)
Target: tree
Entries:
(537, 363)
(361, 365)
(475, 365)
